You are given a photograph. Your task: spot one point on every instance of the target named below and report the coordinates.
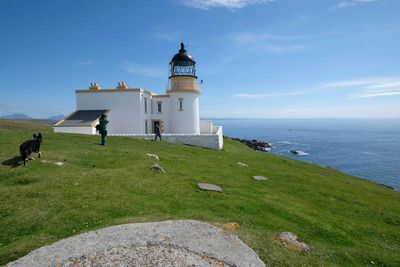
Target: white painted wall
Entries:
(126, 116)
(146, 115)
(165, 112)
(206, 127)
(77, 130)
(127, 113)
(218, 131)
(212, 141)
(188, 120)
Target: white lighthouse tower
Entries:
(183, 94)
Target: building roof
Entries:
(81, 118)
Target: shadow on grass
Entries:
(13, 162)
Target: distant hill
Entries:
(17, 116)
(21, 116)
(56, 117)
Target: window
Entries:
(159, 107)
(145, 105)
(180, 104)
(145, 126)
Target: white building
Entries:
(135, 111)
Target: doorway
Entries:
(155, 123)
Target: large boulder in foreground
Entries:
(168, 243)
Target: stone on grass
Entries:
(243, 164)
(209, 187)
(260, 178)
(157, 168)
(153, 156)
(58, 163)
(291, 241)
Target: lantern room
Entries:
(182, 64)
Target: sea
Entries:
(367, 148)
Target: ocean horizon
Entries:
(366, 148)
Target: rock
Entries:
(58, 163)
(158, 168)
(291, 241)
(298, 152)
(260, 178)
(255, 144)
(264, 149)
(167, 243)
(153, 156)
(209, 187)
(241, 164)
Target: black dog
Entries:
(30, 146)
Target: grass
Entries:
(345, 220)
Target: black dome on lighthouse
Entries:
(182, 64)
(182, 58)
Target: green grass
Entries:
(345, 220)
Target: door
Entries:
(154, 126)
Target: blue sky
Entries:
(258, 58)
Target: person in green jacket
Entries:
(103, 128)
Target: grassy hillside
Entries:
(345, 220)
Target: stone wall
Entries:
(213, 141)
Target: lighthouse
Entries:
(184, 94)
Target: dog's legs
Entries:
(39, 154)
(24, 161)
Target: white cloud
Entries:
(144, 70)
(277, 44)
(254, 37)
(283, 49)
(370, 87)
(351, 3)
(376, 94)
(367, 87)
(389, 84)
(367, 81)
(230, 4)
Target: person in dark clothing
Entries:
(103, 128)
(158, 132)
